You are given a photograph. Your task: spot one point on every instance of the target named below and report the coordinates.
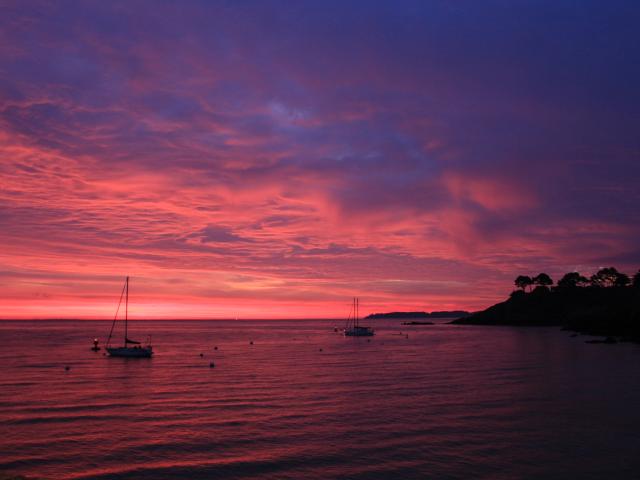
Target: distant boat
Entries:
(135, 351)
(353, 328)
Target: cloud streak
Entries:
(275, 160)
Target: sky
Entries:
(275, 159)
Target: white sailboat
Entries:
(130, 348)
(353, 328)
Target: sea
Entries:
(298, 400)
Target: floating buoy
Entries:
(215, 348)
(320, 349)
(67, 368)
(251, 342)
(406, 336)
(368, 340)
(211, 365)
(201, 355)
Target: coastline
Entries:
(609, 312)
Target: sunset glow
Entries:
(277, 161)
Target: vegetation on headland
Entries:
(444, 314)
(607, 303)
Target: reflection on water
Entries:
(304, 402)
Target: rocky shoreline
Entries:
(612, 312)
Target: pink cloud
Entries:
(276, 164)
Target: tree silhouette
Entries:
(572, 280)
(609, 277)
(542, 280)
(596, 280)
(622, 280)
(523, 281)
(605, 277)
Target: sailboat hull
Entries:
(126, 351)
(353, 327)
(130, 352)
(359, 332)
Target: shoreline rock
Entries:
(607, 312)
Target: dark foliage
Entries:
(608, 306)
(609, 277)
(523, 281)
(573, 280)
(542, 280)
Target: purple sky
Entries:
(277, 158)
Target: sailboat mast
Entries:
(357, 305)
(126, 312)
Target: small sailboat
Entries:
(353, 328)
(130, 348)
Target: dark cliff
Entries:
(594, 310)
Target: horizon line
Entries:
(39, 319)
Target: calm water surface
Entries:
(447, 402)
